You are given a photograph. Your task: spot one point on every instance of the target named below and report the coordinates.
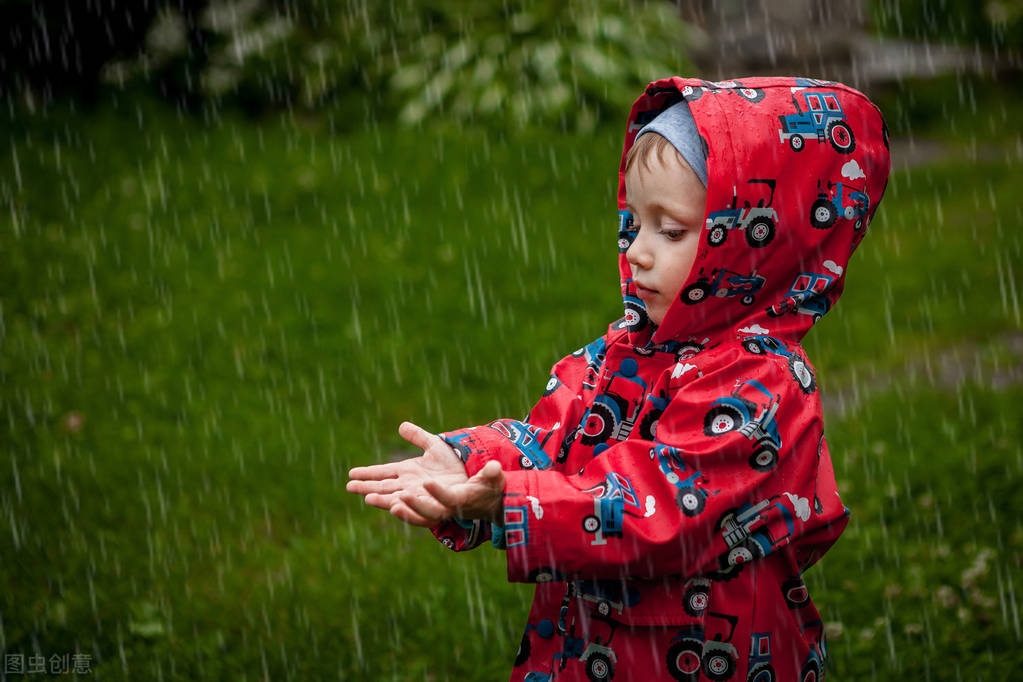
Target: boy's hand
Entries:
(433, 487)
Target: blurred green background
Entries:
(240, 242)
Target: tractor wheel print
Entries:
(717, 235)
(694, 293)
(795, 593)
(721, 419)
(802, 373)
(692, 94)
(523, 652)
(764, 457)
(695, 600)
(648, 425)
(719, 665)
(690, 501)
(599, 425)
(635, 316)
(753, 95)
(684, 660)
(525, 462)
(753, 346)
(747, 299)
(822, 214)
(599, 668)
(687, 350)
(761, 672)
(760, 232)
(796, 142)
(591, 524)
(811, 672)
(840, 136)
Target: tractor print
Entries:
(821, 118)
(750, 410)
(757, 222)
(693, 93)
(598, 656)
(691, 496)
(614, 410)
(516, 525)
(648, 424)
(751, 532)
(758, 344)
(691, 652)
(626, 231)
(838, 200)
(523, 437)
(607, 595)
(613, 498)
(813, 664)
(636, 316)
(760, 669)
(723, 283)
(697, 596)
(806, 296)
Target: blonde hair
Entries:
(649, 145)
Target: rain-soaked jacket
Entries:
(673, 482)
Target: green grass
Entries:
(238, 311)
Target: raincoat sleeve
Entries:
(538, 443)
(734, 474)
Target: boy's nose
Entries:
(638, 254)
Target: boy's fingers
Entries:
(416, 435)
(426, 506)
(444, 495)
(402, 511)
(388, 485)
(375, 472)
(379, 501)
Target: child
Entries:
(672, 484)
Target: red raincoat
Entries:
(673, 482)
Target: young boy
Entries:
(672, 484)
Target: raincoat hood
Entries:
(795, 171)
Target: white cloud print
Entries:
(852, 170)
(833, 267)
(800, 505)
(754, 329)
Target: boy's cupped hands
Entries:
(432, 487)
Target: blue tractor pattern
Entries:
(757, 222)
(524, 438)
(820, 118)
(724, 283)
(836, 199)
(749, 533)
(614, 497)
(760, 668)
(750, 409)
(615, 409)
(691, 493)
(805, 296)
(758, 344)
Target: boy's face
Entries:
(667, 202)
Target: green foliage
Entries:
(536, 63)
(521, 63)
(991, 24)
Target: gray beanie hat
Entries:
(676, 124)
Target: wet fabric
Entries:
(672, 483)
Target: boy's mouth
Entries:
(644, 292)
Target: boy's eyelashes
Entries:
(671, 230)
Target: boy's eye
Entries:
(674, 234)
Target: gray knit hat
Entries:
(676, 124)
